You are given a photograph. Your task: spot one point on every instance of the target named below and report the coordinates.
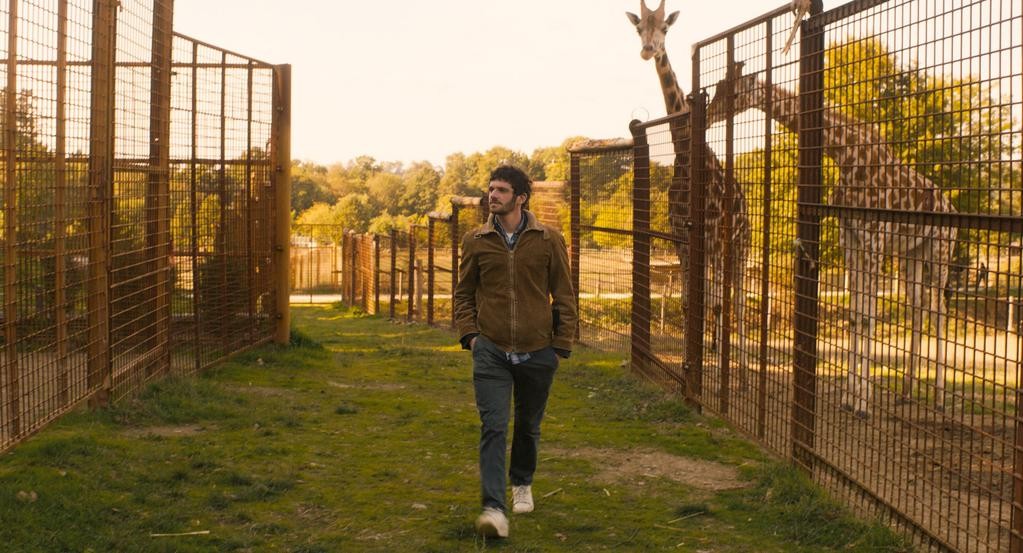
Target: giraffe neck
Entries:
(841, 135)
(674, 98)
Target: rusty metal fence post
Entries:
(640, 313)
(376, 274)
(282, 201)
(158, 210)
(575, 177)
(431, 221)
(10, 361)
(811, 103)
(101, 176)
(695, 285)
(454, 257)
(411, 281)
(392, 286)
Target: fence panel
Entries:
(604, 242)
(878, 287)
(761, 159)
(100, 242)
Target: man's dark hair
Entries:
(517, 178)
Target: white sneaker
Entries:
(492, 523)
(522, 499)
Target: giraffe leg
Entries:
(864, 280)
(912, 274)
(856, 330)
(939, 277)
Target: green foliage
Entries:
(957, 132)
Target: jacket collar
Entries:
(531, 224)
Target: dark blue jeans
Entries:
(497, 381)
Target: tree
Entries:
(957, 132)
(420, 188)
(309, 185)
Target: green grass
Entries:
(362, 436)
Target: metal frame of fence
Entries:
(141, 170)
(897, 95)
(330, 263)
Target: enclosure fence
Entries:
(406, 274)
(141, 173)
(825, 251)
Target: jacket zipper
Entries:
(514, 302)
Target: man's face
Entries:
(502, 198)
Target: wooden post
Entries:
(410, 316)
(376, 274)
(393, 272)
(158, 211)
(429, 270)
(282, 199)
(101, 179)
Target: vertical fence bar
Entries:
(282, 200)
(698, 176)
(429, 270)
(250, 258)
(393, 272)
(765, 251)
(455, 242)
(60, 214)
(222, 257)
(725, 317)
(1016, 524)
(101, 175)
(158, 211)
(158, 194)
(640, 316)
(575, 188)
(811, 103)
(193, 199)
(411, 281)
(11, 227)
(1016, 518)
(376, 274)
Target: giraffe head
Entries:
(744, 90)
(652, 26)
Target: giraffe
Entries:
(870, 176)
(723, 198)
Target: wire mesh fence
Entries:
(137, 208)
(866, 187)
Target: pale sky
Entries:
(417, 80)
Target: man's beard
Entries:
(502, 209)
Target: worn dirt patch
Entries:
(367, 386)
(166, 431)
(619, 465)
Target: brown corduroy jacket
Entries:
(520, 299)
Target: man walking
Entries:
(515, 309)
